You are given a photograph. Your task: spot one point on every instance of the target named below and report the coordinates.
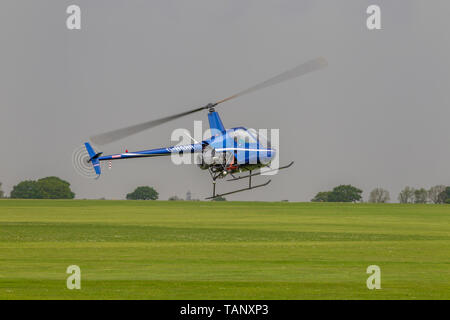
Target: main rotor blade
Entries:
(298, 71)
(111, 136)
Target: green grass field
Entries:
(234, 250)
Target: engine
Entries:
(209, 158)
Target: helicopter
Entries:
(228, 152)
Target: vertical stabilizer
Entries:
(93, 158)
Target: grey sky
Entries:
(376, 117)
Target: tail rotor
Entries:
(85, 161)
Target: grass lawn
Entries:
(222, 250)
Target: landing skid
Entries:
(248, 176)
(240, 190)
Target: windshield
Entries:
(241, 137)
(261, 137)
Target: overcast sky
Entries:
(378, 116)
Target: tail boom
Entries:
(190, 148)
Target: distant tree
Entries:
(379, 195)
(444, 196)
(45, 188)
(406, 195)
(219, 198)
(420, 196)
(342, 193)
(434, 192)
(55, 188)
(143, 193)
(188, 196)
(322, 197)
(345, 193)
(2, 194)
(28, 189)
(175, 198)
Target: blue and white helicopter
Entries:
(226, 152)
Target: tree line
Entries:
(436, 194)
(347, 193)
(56, 188)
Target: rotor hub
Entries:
(210, 107)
